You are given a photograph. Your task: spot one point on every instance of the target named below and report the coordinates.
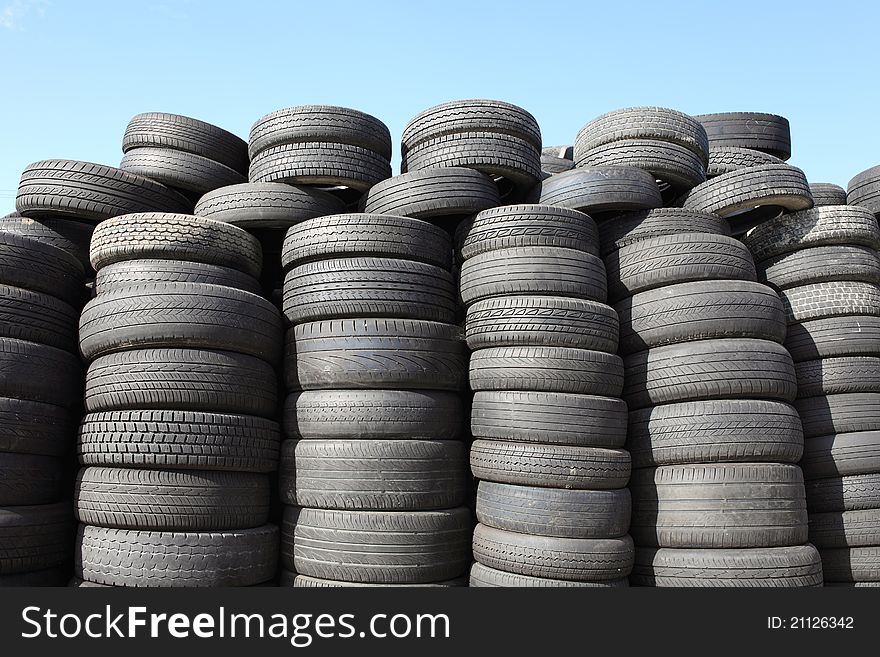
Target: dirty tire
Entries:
(29, 264)
(860, 565)
(822, 264)
(841, 375)
(27, 479)
(842, 529)
(190, 173)
(850, 493)
(864, 190)
(37, 317)
(433, 193)
(39, 373)
(827, 194)
(138, 272)
(482, 576)
(602, 189)
(35, 537)
(841, 455)
(28, 427)
(843, 413)
(266, 205)
(724, 159)
(626, 229)
(768, 133)
(833, 299)
(675, 166)
(320, 163)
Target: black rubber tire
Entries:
(654, 123)
(747, 505)
(842, 529)
(842, 413)
(681, 258)
(715, 431)
(309, 123)
(739, 368)
(129, 557)
(834, 376)
(849, 493)
(768, 133)
(550, 165)
(375, 354)
(483, 576)
(549, 418)
(35, 537)
(850, 335)
(550, 466)
(827, 194)
(373, 415)
(822, 226)
(148, 271)
(864, 190)
(294, 580)
(28, 427)
(27, 479)
(92, 192)
(541, 321)
(179, 440)
(775, 567)
(266, 205)
(570, 559)
(841, 455)
(560, 152)
(700, 310)
(860, 565)
(66, 234)
(380, 475)
(287, 473)
(546, 369)
(822, 264)
(180, 315)
(387, 547)
(598, 190)
(192, 174)
(33, 265)
(627, 229)
(163, 500)
(366, 235)
(674, 166)
(37, 317)
(433, 193)
(39, 373)
(471, 116)
(175, 237)
(345, 288)
(181, 379)
(724, 159)
(551, 271)
(823, 300)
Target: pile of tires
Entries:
(373, 468)
(40, 389)
(825, 264)
(178, 438)
(547, 420)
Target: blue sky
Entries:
(74, 72)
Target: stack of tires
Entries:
(177, 441)
(549, 425)
(825, 263)
(40, 391)
(373, 469)
(185, 154)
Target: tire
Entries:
(724, 159)
(749, 505)
(27, 479)
(37, 317)
(190, 173)
(179, 440)
(92, 192)
(822, 264)
(671, 259)
(842, 529)
(550, 466)
(366, 235)
(650, 123)
(823, 300)
(375, 354)
(864, 190)
(149, 271)
(851, 565)
(842, 455)
(697, 311)
(310, 123)
(56, 576)
(551, 271)
(39, 373)
(32, 265)
(775, 567)
(547, 369)
(483, 576)
(553, 511)
(827, 194)
(761, 132)
(850, 335)
(373, 415)
(821, 226)
(569, 559)
(709, 369)
(34, 537)
(380, 475)
(834, 376)
(181, 379)
(549, 418)
(266, 205)
(715, 431)
(160, 500)
(849, 493)
(675, 167)
(128, 557)
(598, 190)
(175, 237)
(387, 547)
(843, 413)
(28, 427)
(289, 578)
(560, 152)
(433, 193)
(180, 315)
(66, 234)
(627, 229)
(551, 165)
(287, 473)
(539, 321)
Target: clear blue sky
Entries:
(74, 72)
